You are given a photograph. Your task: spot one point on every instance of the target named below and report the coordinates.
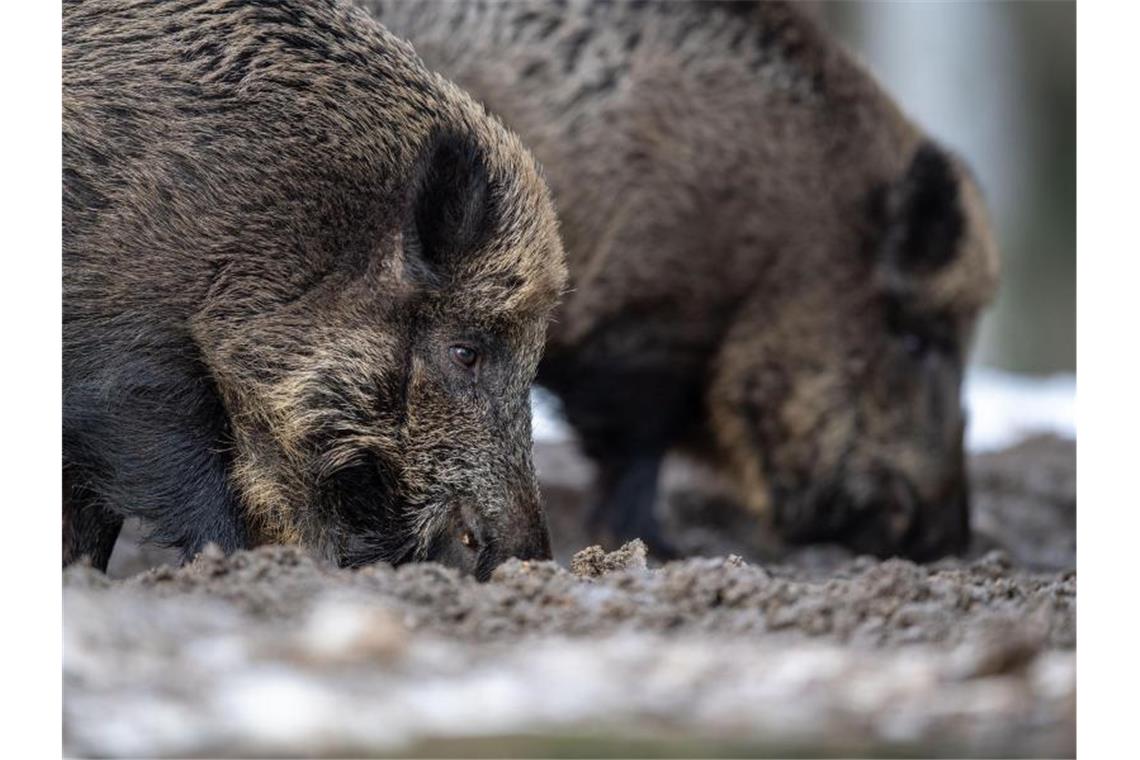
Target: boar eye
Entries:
(915, 344)
(464, 356)
(921, 335)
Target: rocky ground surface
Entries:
(747, 648)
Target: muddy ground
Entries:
(746, 649)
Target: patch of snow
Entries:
(548, 423)
(1002, 408)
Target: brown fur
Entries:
(277, 222)
(771, 266)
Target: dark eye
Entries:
(464, 356)
(915, 344)
(922, 334)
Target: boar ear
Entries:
(451, 204)
(922, 215)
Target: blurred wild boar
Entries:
(771, 267)
(306, 289)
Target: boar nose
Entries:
(521, 534)
(925, 530)
(944, 525)
(528, 536)
(883, 524)
(899, 522)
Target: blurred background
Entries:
(996, 83)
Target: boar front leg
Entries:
(626, 508)
(89, 529)
(147, 438)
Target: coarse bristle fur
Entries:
(771, 266)
(278, 224)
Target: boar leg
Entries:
(89, 529)
(626, 509)
(155, 448)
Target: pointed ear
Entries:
(922, 215)
(451, 209)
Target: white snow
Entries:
(1002, 408)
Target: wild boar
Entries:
(771, 267)
(306, 285)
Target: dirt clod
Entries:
(594, 561)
